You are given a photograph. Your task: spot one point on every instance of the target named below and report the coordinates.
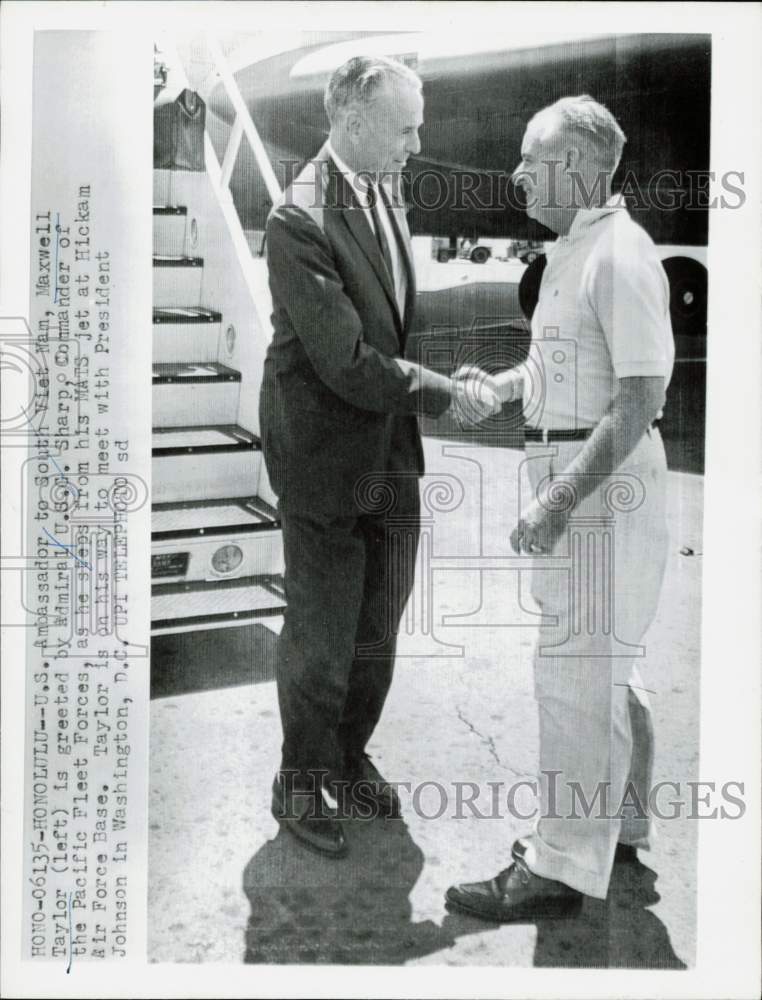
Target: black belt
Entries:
(545, 436)
(572, 434)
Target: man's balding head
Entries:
(568, 157)
(375, 107)
(356, 84)
(588, 125)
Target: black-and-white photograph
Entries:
(379, 453)
(429, 357)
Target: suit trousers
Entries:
(347, 582)
(596, 734)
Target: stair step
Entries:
(169, 229)
(182, 607)
(170, 210)
(194, 337)
(194, 394)
(193, 373)
(177, 280)
(204, 463)
(180, 187)
(196, 518)
(188, 440)
(228, 556)
(163, 260)
(178, 315)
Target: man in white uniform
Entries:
(593, 386)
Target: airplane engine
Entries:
(687, 295)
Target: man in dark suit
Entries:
(339, 431)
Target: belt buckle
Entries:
(545, 436)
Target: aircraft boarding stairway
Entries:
(216, 551)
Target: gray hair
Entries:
(359, 80)
(601, 136)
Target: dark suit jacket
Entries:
(338, 400)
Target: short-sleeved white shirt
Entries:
(602, 315)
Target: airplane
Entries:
(480, 90)
(216, 553)
(479, 94)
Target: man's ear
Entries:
(572, 157)
(353, 124)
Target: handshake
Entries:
(477, 395)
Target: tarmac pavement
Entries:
(225, 885)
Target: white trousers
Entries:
(596, 735)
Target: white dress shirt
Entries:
(359, 186)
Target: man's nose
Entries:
(413, 145)
(518, 177)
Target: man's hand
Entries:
(474, 397)
(539, 530)
(617, 433)
(508, 384)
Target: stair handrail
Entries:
(243, 124)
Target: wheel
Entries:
(480, 255)
(529, 257)
(529, 286)
(443, 256)
(687, 295)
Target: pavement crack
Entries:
(487, 740)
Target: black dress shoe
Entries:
(368, 793)
(305, 815)
(515, 894)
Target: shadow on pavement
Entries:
(616, 933)
(187, 662)
(312, 910)
(309, 909)
(619, 932)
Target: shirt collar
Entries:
(358, 184)
(586, 217)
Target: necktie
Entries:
(383, 244)
(395, 224)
